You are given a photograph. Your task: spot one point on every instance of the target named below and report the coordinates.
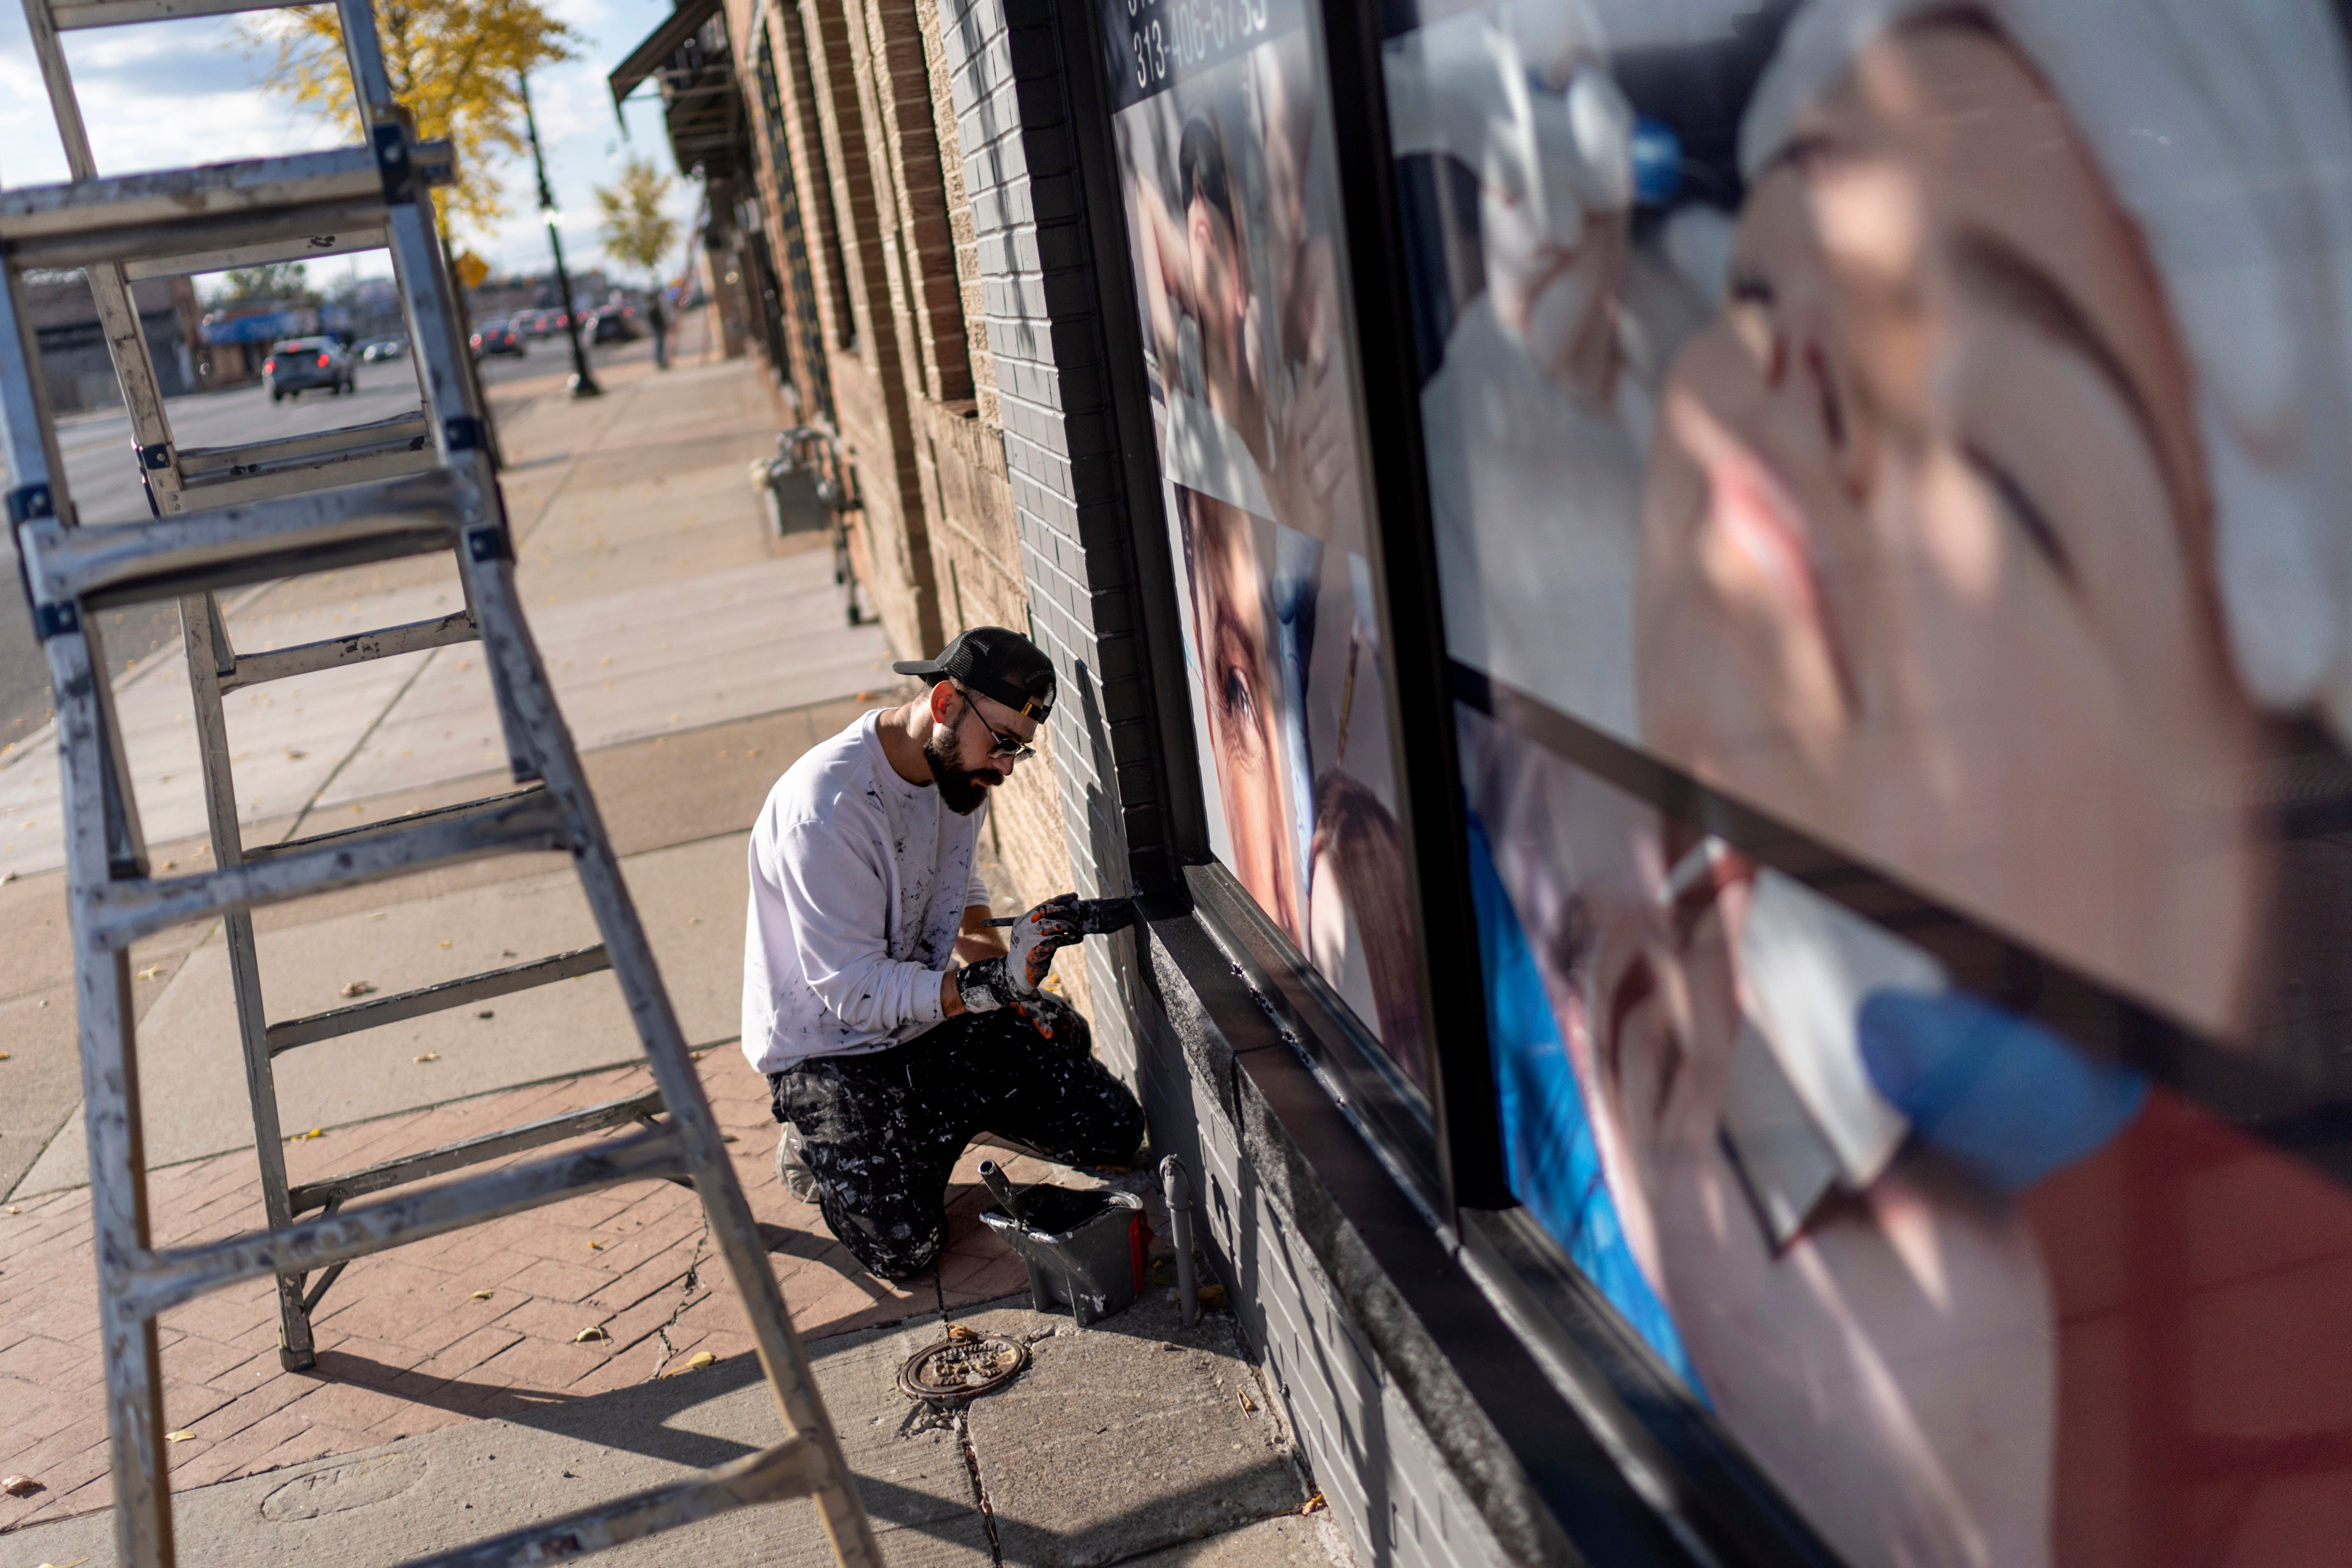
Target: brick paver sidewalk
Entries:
(481, 1323)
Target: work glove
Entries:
(1012, 980)
(1038, 935)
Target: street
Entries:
(104, 480)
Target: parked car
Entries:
(393, 346)
(536, 324)
(496, 338)
(614, 324)
(297, 365)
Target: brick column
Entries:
(1007, 61)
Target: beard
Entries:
(961, 789)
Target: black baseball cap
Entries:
(995, 663)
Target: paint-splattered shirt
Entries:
(859, 881)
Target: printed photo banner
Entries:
(1886, 466)
(1225, 161)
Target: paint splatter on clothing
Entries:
(881, 1132)
(859, 881)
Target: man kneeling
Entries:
(885, 1056)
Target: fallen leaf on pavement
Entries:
(591, 1333)
(77, 1563)
(305, 1137)
(486, 1013)
(482, 1295)
(430, 1056)
(960, 1335)
(151, 971)
(20, 1486)
(694, 1362)
(445, 944)
(595, 1247)
(357, 988)
(179, 1437)
(1249, 1404)
(1313, 1505)
(1213, 1298)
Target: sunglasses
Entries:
(1006, 746)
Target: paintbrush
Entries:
(1097, 917)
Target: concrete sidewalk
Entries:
(696, 656)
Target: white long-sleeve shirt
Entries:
(859, 881)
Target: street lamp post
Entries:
(584, 383)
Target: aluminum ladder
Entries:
(418, 484)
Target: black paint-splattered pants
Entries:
(882, 1132)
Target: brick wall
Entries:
(871, 141)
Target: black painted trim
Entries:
(1310, 1017)
(1429, 784)
(1650, 1412)
(1159, 631)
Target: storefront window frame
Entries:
(1438, 1139)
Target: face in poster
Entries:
(1225, 159)
(1925, 424)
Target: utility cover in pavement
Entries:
(961, 1367)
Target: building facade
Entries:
(74, 360)
(1712, 637)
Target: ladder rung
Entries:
(307, 658)
(448, 993)
(69, 15)
(256, 457)
(165, 1280)
(261, 253)
(794, 1468)
(380, 462)
(369, 1179)
(525, 820)
(180, 212)
(386, 449)
(137, 562)
(342, 837)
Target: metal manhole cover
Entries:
(962, 1368)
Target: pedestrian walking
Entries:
(658, 318)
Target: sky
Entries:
(165, 94)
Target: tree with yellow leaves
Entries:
(454, 64)
(637, 231)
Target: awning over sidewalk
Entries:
(664, 41)
(702, 108)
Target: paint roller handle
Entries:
(993, 1178)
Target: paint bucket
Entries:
(1087, 1251)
